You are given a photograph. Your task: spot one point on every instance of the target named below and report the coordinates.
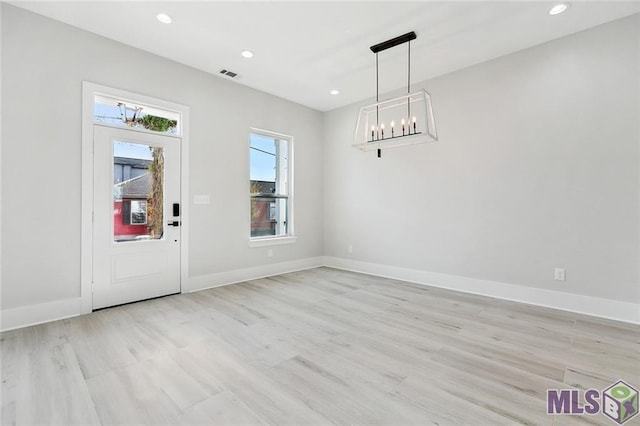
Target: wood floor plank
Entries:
(344, 401)
(222, 409)
(440, 404)
(270, 400)
(50, 388)
(130, 396)
(502, 401)
(315, 347)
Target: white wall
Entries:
(537, 167)
(43, 65)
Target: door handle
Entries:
(174, 223)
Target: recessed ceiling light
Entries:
(247, 54)
(335, 92)
(558, 8)
(164, 18)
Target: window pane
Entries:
(268, 216)
(120, 113)
(263, 159)
(138, 192)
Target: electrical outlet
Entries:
(270, 252)
(559, 274)
(349, 248)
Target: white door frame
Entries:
(89, 91)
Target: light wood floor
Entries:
(314, 347)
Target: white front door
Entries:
(136, 224)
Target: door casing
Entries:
(89, 91)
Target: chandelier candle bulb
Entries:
(382, 130)
(414, 124)
(402, 122)
(392, 124)
(373, 132)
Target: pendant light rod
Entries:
(409, 77)
(377, 100)
(409, 68)
(405, 38)
(394, 42)
(377, 85)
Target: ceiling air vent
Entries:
(228, 73)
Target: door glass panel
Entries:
(138, 192)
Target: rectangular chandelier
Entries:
(401, 121)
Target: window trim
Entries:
(272, 240)
(290, 236)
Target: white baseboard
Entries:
(588, 305)
(25, 316)
(219, 279)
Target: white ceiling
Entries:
(305, 49)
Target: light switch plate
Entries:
(201, 199)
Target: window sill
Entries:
(271, 241)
